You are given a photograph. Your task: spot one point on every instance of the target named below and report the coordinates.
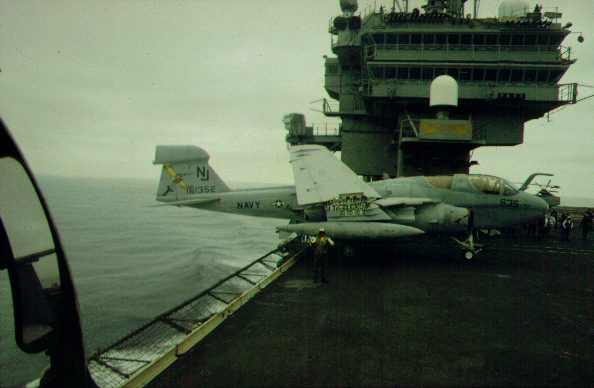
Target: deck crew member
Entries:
(566, 227)
(586, 224)
(321, 245)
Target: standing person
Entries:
(556, 219)
(321, 245)
(566, 227)
(561, 223)
(547, 225)
(553, 221)
(586, 224)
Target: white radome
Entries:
(443, 91)
(513, 9)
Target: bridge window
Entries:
(530, 76)
(462, 74)
(465, 74)
(415, 73)
(453, 39)
(517, 75)
(427, 73)
(403, 73)
(466, 39)
(378, 38)
(555, 75)
(491, 39)
(478, 39)
(530, 40)
(415, 39)
(377, 72)
(555, 40)
(428, 39)
(504, 75)
(440, 39)
(453, 72)
(504, 40)
(543, 76)
(391, 38)
(518, 40)
(543, 40)
(491, 75)
(404, 39)
(478, 74)
(390, 72)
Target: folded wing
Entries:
(320, 177)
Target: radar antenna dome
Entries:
(443, 91)
(349, 6)
(513, 9)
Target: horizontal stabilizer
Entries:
(189, 202)
(320, 177)
(403, 201)
(353, 230)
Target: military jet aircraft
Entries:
(328, 194)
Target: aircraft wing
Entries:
(403, 201)
(189, 202)
(320, 177)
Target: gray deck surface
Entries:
(521, 314)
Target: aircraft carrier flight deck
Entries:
(521, 315)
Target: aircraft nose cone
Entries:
(544, 206)
(540, 204)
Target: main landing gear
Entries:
(470, 247)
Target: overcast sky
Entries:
(88, 88)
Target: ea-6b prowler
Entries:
(328, 194)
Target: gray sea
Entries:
(131, 260)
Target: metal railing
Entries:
(323, 129)
(329, 107)
(408, 128)
(568, 93)
(141, 355)
(564, 53)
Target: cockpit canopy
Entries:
(486, 184)
(489, 184)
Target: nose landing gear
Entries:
(471, 249)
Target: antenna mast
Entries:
(397, 3)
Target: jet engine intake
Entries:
(442, 217)
(314, 214)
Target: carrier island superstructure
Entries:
(508, 69)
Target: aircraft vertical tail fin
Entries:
(185, 173)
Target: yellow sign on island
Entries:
(445, 129)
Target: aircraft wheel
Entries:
(469, 255)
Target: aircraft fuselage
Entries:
(492, 210)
